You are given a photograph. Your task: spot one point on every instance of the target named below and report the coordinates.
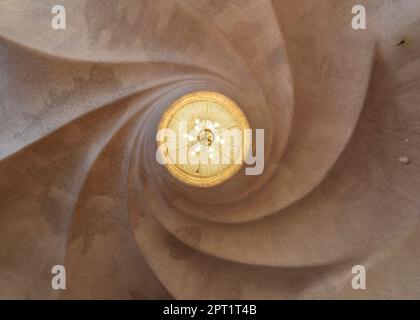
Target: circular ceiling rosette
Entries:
(202, 139)
(81, 186)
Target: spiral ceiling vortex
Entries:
(80, 185)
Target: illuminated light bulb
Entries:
(222, 141)
(197, 148)
(196, 109)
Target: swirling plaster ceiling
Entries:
(80, 185)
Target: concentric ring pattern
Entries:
(80, 185)
(202, 139)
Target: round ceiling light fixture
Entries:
(203, 138)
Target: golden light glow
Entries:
(209, 118)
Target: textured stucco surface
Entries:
(80, 185)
